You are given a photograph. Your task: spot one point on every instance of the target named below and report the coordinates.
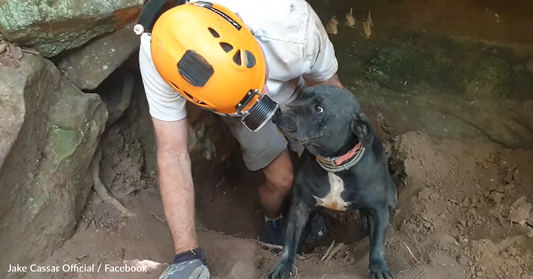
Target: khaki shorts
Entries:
(259, 149)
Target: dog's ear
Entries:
(361, 128)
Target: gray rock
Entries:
(90, 64)
(54, 26)
(48, 134)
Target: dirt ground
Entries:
(452, 221)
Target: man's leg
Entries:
(277, 186)
(266, 150)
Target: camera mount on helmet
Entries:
(151, 11)
(260, 113)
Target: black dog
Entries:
(342, 167)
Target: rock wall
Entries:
(90, 64)
(54, 26)
(447, 87)
(49, 130)
(455, 69)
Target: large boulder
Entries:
(89, 65)
(48, 134)
(54, 26)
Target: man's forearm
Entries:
(177, 193)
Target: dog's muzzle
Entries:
(259, 114)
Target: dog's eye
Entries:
(318, 109)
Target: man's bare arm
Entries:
(334, 80)
(175, 182)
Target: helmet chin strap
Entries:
(151, 12)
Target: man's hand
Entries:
(188, 265)
(187, 270)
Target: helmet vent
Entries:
(213, 32)
(175, 86)
(226, 47)
(188, 95)
(237, 58)
(249, 59)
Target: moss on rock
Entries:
(54, 26)
(442, 85)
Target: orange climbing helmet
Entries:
(207, 54)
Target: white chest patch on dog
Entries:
(333, 199)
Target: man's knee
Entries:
(261, 148)
(279, 173)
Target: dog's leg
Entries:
(366, 221)
(393, 195)
(378, 230)
(296, 223)
(305, 232)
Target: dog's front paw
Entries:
(282, 270)
(379, 270)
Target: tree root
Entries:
(98, 186)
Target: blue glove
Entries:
(188, 265)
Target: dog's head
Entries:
(324, 119)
